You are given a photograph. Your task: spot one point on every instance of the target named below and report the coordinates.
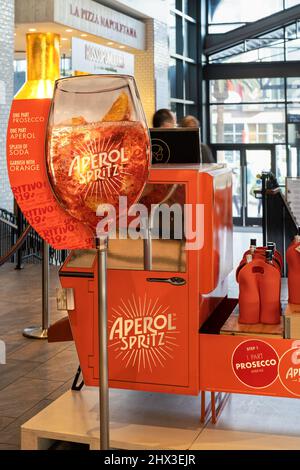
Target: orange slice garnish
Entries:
(74, 121)
(120, 110)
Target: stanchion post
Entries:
(19, 264)
(45, 290)
(41, 332)
(147, 242)
(264, 208)
(101, 245)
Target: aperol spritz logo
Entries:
(143, 333)
(99, 163)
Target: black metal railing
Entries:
(11, 228)
(279, 224)
(8, 231)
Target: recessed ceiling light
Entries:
(32, 30)
(83, 35)
(64, 39)
(69, 30)
(110, 43)
(122, 47)
(15, 34)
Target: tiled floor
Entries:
(37, 373)
(32, 378)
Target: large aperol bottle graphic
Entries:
(98, 145)
(43, 66)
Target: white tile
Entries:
(261, 414)
(216, 439)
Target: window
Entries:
(293, 89)
(248, 124)
(233, 133)
(291, 3)
(269, 47)
(278, 45)
(183, 62)
(232, 14)
(247, 90)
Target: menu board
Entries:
(293, 197)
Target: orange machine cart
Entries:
(155, 315)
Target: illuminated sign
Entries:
(93, 58)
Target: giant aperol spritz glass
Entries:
(98, 145)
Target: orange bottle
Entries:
(293, 261)
(269, 289)
(249, 303)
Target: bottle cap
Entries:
(249, 258)
(269, 255)
(271, 246)
(253, 242)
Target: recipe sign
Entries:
(29, 181)
(257, 365)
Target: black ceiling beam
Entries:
(217, 42)
(251, 70)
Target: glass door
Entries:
(233, 159)
(255, 162)
(246, 162)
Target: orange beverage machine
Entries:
(154, 314)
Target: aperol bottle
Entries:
(43, 66)
(249, 302)
(293, 261)
(270, 288)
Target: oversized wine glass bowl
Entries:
(98, 145)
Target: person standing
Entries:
(192, 121)
(189, 121)
(164, 118)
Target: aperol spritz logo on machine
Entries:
(143, 333)
(289, 369)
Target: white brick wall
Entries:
(151, 69)
(7, 28)
(161, 61)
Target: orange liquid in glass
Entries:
(91, 165)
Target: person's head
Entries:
(164, 118)
(189, 121)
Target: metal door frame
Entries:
(244, 220)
